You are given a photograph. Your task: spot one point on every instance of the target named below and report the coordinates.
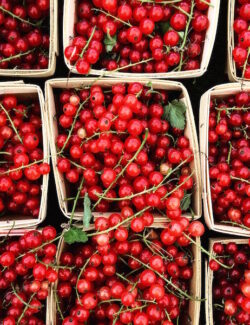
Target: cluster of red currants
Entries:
(242, 37)
(25, 276)
(128, 277)
(24, 34)
(231, 287)
(229, 158)
(122, 142)
(20, 151)
(138, 36)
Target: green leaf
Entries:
(87, 211)
(109, 42)
(166, 112)
(75, 235)
(186, 201)
(165, 26)
(174, 112)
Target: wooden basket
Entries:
(218, 92)
(17, 233)
(190, 132)
(209, 276)
(195, 285)
(29, 91)
(53, 51)
(70, 17)
(231, 66)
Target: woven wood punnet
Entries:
(215, 92)
(190, 132)
(18, 233)
(69, 20)
(53, 50)
(195, 285)
(209, 277)
(233, 74)
(24, 91)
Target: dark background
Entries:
(196, 88)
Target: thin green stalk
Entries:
(114, 17)
(186, 33)
(236, 224)
(19, 18)
(181, 10)
(117, 315)
(132, 64)
(229, 152)
(26, 307)
(232, 108)
(129, 197)
(119, 224)
(87, 44)
(73, 124)
(11, 122)
(161, 2)
(123, 278)
(16, 56)
(153, 188)
(23, 167)
(75, 201)
(206, 252)
(41, 246)
(20, 298)
(183, 293)
(79, 276)
(123, 170)
(240, 179)
(177, 187)
(58, 305)
(207, 3)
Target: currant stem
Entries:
(206, 252)
(186, 33)
(161, 2)
(58, 305)
(73, 124)
(117, 315)
(236, 224)
(20, 298)
(11, 122)
(183, 293)
(177, 187)
(123, 170)
(181, 10)
(23, 167)
(132, 64)
(41, 246)
(16, 56)
(240, 179)
(119, 224)
(123, 278)
(19, 18)
(114, 17)
(75, 201)
(232, 108)
(229, 152)
(207, 3)
(89, 40)
(26, 307)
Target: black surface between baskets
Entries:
(196, 87)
